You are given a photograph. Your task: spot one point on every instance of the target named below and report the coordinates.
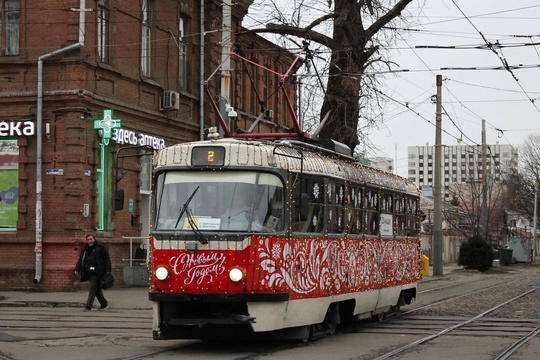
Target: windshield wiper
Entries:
(195, 228)
(185, 206)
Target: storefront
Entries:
(95, 177)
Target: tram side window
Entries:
(400, 215)
(270, 207)
(310, 216)
(413, 224)
(371, 215)
(386, 226)
(354, 210)
(336, 201)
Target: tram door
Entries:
(145, 190)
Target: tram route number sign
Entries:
(208, 155)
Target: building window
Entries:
(103, 31)
(182, 55)
(9, 27)
(145, 39)
(9, 184)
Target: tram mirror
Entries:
(302, 207)
(119, 199)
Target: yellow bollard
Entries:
(424, 269)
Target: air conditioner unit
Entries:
(269, 114)
(170, 100)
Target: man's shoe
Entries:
(104, 307)
(86, 308)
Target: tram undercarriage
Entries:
(238, 320)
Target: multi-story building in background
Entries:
(88, 91)
(382, 163)
(461, 163)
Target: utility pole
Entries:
(437, 198)
(395, 159)
(534, 220)
(484, 183)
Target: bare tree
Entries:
(355, 44)
(530, 158)
(466, 217)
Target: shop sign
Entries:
(17, 128)
(107, 125)
(124, 136)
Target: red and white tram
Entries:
(258, 236)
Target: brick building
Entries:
(88, 91)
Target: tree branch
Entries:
(295, 31)
(386, 18)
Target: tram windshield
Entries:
(219, 201)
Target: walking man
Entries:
(94, 262)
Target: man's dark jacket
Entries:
(97, 256)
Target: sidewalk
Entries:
(447, 270)
(135, 298)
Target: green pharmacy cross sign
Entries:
(106, 125)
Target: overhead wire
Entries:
(503, 60)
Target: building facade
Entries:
(460, 164)
(89, 90)
(382, 163)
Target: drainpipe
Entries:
(39, 144)
(201, 75)
(226, 60)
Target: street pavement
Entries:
(118, 297)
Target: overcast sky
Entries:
(476, 84)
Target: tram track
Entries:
(445, 319)
(449, 286)
(451, 298)
(273, 350)
(468, 322)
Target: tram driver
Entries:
(239, 215)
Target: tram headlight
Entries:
(236, 274)
(162, 273)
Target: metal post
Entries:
(437, 200)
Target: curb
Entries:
(40, 304)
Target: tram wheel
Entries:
(379, 317)
(394, 310)
(330, 327)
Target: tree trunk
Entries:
(346, 68)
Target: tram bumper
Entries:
(196, 316)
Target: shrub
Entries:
(476, 253)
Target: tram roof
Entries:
(292, 155)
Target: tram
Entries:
(276, 236)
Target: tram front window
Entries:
(219, 201)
